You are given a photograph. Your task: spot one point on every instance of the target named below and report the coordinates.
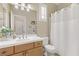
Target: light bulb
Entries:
(16, 6)
(29, 6)
(28, 9)
(22, 8)
(42, 17)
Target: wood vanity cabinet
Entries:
(35, 52)
(30, 49)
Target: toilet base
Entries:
(51, 54)
(50, 50)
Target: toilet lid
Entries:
(49, 47)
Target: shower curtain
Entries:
(65, 30)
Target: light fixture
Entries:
(29, 6)
(23, 6)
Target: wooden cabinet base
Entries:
(36, 52)
(30, 49)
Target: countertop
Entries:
(14, 42)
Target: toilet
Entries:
(50, 50)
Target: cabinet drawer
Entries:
(23, 47)
(37, 44)
(6, 51)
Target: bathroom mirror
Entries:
(23, 21)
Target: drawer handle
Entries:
(3, 52)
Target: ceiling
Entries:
(51, 7)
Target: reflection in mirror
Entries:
(23, 21)
(1, 16)
(4, 15)
(4, 20)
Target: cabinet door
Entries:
(35, 52)
(6, 51)
(23, 47)
(19, 54)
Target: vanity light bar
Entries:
(23, 6)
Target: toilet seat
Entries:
(50, 48)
